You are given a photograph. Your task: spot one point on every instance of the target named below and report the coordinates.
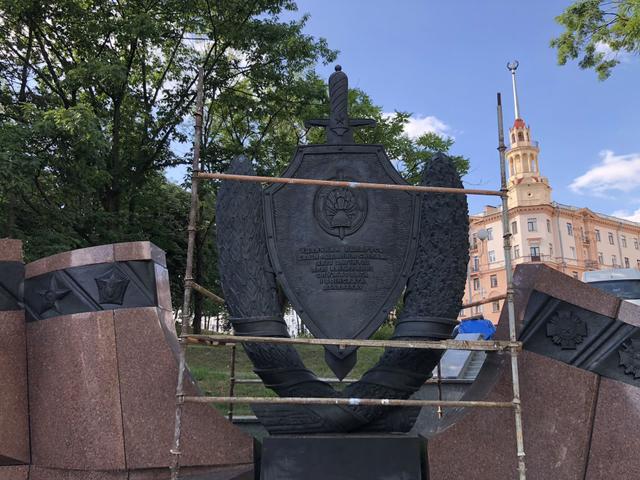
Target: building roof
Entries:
(491, 210)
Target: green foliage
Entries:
(385, 332)
(97, 98)
(597, 32)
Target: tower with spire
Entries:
(526, 185)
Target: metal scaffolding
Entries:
(512, 346)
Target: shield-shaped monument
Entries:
(342, 255)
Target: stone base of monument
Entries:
(340, 457)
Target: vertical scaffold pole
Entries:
(188, 276)
(515, 379)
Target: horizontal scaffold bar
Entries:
(204, 292)
(431, 381)
(481, 345)
(338, 183)
(484, 301)
(382, 402)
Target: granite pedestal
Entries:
(341, 457)
(14, 408)
(578, 424)
(102, 370)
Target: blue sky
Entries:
(444, 62)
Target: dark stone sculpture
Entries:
(342, 257)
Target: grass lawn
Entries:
(210, 367)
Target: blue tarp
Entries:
(480, 325)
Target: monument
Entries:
(342, 257)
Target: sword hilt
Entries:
(339, 126)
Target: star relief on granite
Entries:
(112, 286)
(567, 330)
(52, 295)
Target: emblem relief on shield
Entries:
(340, 211)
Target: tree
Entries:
(96, 96)
(597, 32)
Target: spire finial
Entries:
(512, 67)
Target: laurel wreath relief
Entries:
(432, 301)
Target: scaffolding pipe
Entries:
(484, 301)
(205, 292)
(188, 276)
(515, 379)
(339, 183)
(476, 345)
(378, 402)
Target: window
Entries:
(516, 251)
(520, 137)
(572, 250)
(532, 224)
(535, 253)
(495, 307)
(494, 281)
(514, 227)
(489, 233)
(611, 238)
(600, 258)
(626, 262)
(461, 314)
(569, 229)
(492, 256)
(614, 260)
(548, 225)
(474, 241)
(551, 250)
(513, 138)
(476, 284)
(623, 241)
(575, 274)
(635, 243)
(478, 309)
(476, 263)
(638, 264)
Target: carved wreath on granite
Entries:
(567, 330)
(432, 298)
(630, 358)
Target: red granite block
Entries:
(76, 419)
(14, 407)
(168, 320)
(74, 258)
(163, 287)
(10, 250)
(563, 287)
(629, 313)
(616, 442)
(557, 403)
(139, 251)
(14, 472)
(148, 375)
(244, 472)
(38, 473)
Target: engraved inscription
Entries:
(343, 267)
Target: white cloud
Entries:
(627, 215)
(614, 172)
(420, 124)
(609, 54)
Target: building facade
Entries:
(570, 239)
